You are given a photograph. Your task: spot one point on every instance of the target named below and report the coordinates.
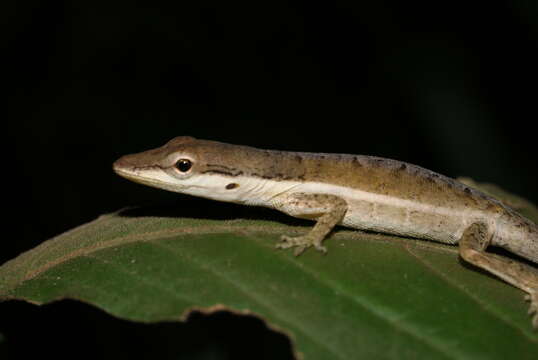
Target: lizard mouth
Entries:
(132, 171)
(134, 175)
(146, 175)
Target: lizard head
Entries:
(187, 165)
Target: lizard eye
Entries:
(183, 165)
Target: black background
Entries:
(450, 86)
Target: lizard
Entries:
(355, 191)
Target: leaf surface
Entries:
(372, 296)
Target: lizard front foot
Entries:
(300, 243)
(533, 309)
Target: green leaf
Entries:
(371, 296)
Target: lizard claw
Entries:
(533, 309)
(299, 249)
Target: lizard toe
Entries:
(300, 243)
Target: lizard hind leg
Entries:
(472, 246)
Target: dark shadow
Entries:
(70, 329)
(196, 208)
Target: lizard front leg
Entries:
(472, 248)
(327, 210)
